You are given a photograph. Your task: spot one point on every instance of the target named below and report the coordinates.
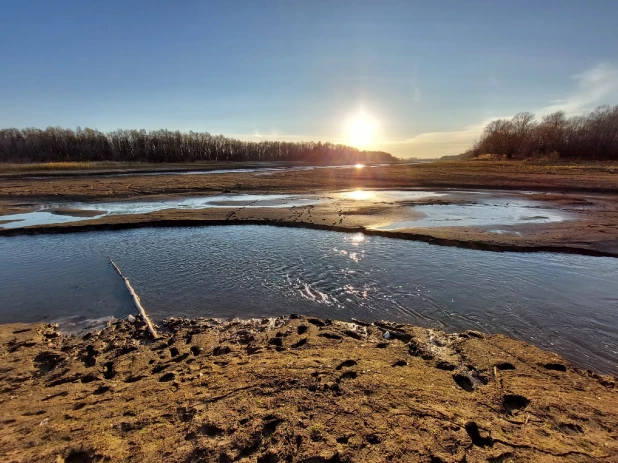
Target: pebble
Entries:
(131, 319)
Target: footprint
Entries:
(347, 375)
(463, 382)
(167, 377)
(271, 426)
(444, 365)
(316, 322)
(514, 402)
(346, 364)
(556, 367)
(473, 432)
(300, 343)
(505, 366)
(108, 370)
(195, 350)
(221, 350)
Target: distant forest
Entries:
(590, 136)
(56, 144)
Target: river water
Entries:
(564, 303)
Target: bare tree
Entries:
(589, 136)
(58, 144)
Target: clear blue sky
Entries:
(429, 73)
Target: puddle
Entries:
(41, 217)
(473, 209)
(390, 196)
(488, 212)
(46, 215)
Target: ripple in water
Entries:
(564, 303)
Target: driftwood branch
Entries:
(137, 302)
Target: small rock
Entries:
(387, 335)
(44, 422)
(131, 319)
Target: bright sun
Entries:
(361, 130)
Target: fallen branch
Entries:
(137, 302)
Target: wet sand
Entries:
(295, 389)
(592, 227)
(589, 192)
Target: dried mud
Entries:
(295, 389)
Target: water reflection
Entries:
(253, 271)
(46, 215)
(360, 195)
(357, 238)
(387, 195)
(488, 212)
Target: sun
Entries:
(361, 130)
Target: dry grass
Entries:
(60, 166)
(102, 165)
(537, 166)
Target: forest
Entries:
(592, 136)
(56, 144)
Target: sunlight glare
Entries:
(359, 166)
(357, 239)
(361, 130)
(360, 195)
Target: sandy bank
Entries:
(296, 389)
(588, 193)
(593, 231)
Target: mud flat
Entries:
(588, 193)
(295, 389)
(478, 219)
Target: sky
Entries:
(427, 75)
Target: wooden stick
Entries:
(137, 302)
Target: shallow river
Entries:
(564, 303)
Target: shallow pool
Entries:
(564, 303)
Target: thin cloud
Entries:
(416, 94)
(278, 136)
(594, 87)
(434, 144)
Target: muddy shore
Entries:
(592, 228)
(295, 389)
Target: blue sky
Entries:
(430, 74)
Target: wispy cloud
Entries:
(416, 93)
(595, 86)
(280, 136)
(432, 144)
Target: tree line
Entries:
(56, 144)
(589, 136)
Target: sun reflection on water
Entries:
(357, 238)
(360, 195)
